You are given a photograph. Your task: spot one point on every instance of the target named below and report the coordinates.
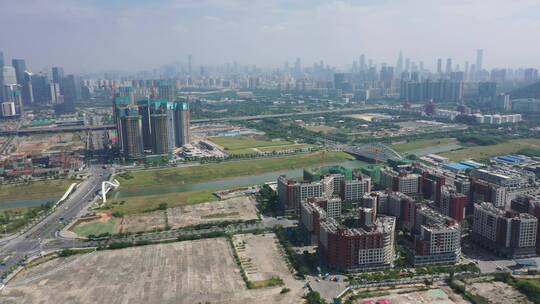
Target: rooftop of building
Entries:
(383, 224)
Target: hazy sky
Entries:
(96, 35)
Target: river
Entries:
(225, 183)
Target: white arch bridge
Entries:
(373, 152)
(106, 186)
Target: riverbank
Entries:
(147, 179)
(143, 191)
(32, 193)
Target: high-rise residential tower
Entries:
(182, 119)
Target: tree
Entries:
(314, 297)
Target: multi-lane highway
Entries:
(31, 242)
(30, 131)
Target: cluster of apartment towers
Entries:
(354, 227)
(151, 126)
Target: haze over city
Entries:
(98, 35)
(269, 152)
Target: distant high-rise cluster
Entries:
(151, 126)
(21, 89)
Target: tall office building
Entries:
(1, 76)
(23, 80)
(9, 77)
(399, 65)
(57, 74)
(58, 77)
(530, 75)
(448, 65)
(298, 67)
(439, 66)
(40, 88)
(479, 59)
(20, 67)
(362, 62)
(182, 122)
(71, 91)
(27, 89)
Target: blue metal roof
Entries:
(456, 166)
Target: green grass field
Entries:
(137, 180)
(38, 189)
(285, 147)
(148, 179)
(97, 228)
(422, 143)
(480, 152)
(138, 204)
(245, 144)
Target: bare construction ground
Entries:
(202, 271)
(143, 221)
(262, 260)
(237, 208)
(431, 296)
(497, 292)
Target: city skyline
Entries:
(99, 36)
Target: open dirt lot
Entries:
(497, 292)
(432, 296)
(260, 256)
(143, 222)
(238, 208)
(202, 271)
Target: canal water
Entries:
(220, 184)
(25, 203)
(226, 183)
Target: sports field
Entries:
(246, 144)
(422, 143)
(480, 152)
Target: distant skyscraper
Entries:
(72, 91)
(20, 67)
(1, 76)
(190, 67)
(421, 66)
(479, 60)
(27, 89)
(407, 64)
(40, 88)
(530, 75)
(9, 76)
(439, 65)
(297, 68)
(448, 65)
(57, 74)
(362, 62)
(399, 64)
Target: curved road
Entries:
(32, 241)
